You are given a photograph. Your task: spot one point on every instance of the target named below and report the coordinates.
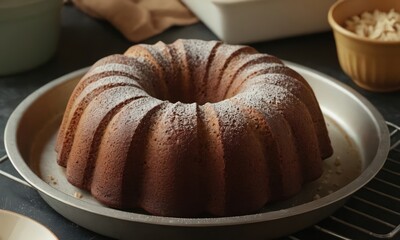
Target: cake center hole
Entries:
(191, 92)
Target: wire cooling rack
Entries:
(371, 213)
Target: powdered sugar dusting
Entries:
(248, 65)
(115, 67)
(255, 68)
(226, 51)
(161, 60)
(277, 79)
(262, 96)
(230, 115)
(109, 82)
(141, 107)
(198, 53)
(183, 116)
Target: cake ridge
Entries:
(283, 70)
(183, 60)
(197, 57)
(300, 132)
(235, 88)
(261, 126)
(303, 93)
(203, 83)
(214, 81)
(167, 129)
(172, 72)
(77, 157)
(214, 167)
(145, 52)
(180, 73)
(251, 60)
(109, 65)
(94, 148)
(165, 72)
(230, 116)
(68, 124)
(142, 126)
(108, 165)
(280, 128)
(73, 97)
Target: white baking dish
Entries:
(244, 21)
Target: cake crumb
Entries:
(316, 196)
(339, 171)
(78, 195)
(337, 162)
(52, 180)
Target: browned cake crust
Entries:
(192, 127)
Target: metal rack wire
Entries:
(371, 213)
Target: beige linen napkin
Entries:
(138, 20)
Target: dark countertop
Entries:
(84, 40)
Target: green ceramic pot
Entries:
(29, 31)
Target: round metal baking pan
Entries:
(358, 132)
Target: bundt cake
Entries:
(191, 128)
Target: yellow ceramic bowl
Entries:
(372, 64)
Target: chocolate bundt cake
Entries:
(192, 127)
